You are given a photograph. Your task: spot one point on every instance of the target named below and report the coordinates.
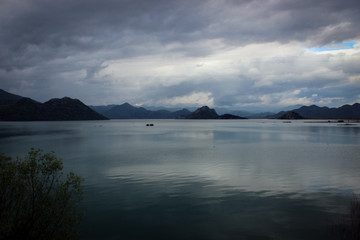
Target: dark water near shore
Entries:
(184, 179)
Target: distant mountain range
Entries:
(127, 111)
(17, 108)
(315, 112)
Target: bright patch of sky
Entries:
(335, 47)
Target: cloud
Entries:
(200, 98)
(167, 52)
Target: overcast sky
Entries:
(221, 53)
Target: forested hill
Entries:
(315, 112)
(17, 108)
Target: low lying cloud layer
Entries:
(235, 54)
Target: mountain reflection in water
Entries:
(184, 179)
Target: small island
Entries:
(208, 113)
(291, 115)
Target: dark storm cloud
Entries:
(41, 29)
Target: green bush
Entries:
(36, 200)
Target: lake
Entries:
(203, 179)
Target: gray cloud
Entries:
(70, 47)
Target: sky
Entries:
(237, 54)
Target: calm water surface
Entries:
(184, 179)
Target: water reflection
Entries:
(202, 179)
(199, 209)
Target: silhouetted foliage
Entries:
(36, 201)
(349, 227)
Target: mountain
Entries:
(127, 111)
(288, 108)
(64, 109)
(244, 113)
(207, 113)
(164, 114)
(170, 109)
(346, 111)
(7, 98)
(69, 109)
(230, 116)
(203, 113)
(25, 109)
(315, 112)
(102, 109)
(221, 111)
(291, 115)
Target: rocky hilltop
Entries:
(202, 113)
(208, 113)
